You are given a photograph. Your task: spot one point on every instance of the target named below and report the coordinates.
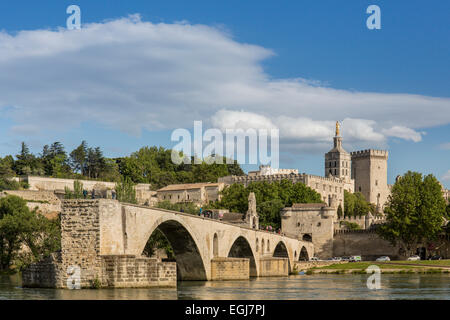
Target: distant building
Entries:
(197, 193)
(268, 170)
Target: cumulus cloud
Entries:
(403, 133)
(132, 75)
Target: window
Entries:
(376, 182)
(359, 189)
(319, 224)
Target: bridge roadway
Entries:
(126, 228)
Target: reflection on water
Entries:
(394, 286)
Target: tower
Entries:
(369, 170)
(252, 216)
(337, 160)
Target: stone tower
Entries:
(252, 216)
(337, 160)
(369, 170)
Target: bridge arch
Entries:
(241, 248)
(281, 251)
(190, 263)
(303, 256)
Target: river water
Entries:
(303, 287)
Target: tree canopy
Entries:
(147, 165)
(415, 211)
(22, 228)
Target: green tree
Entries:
(270, 198)
(77, 192)
(125, 191)
(20, 226)
(355, 204)
(415, 211)
(78, 158)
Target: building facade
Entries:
(197, 193)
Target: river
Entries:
(307, 287)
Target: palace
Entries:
(360, 171)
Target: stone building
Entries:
(266, 170)
(312, 222)
(328, 187)
(369, 171)
(197, 193)
(338, 162)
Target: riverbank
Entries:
(392, 267)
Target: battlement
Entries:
(369, 153)
(295, 177)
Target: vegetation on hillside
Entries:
(147, 165)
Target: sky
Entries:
(138, 70)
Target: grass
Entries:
(407, 267)
(358, 266)
(445, 263)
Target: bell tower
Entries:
(337, 160)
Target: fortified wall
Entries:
(81, 261)
(365, 243)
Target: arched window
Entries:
(257, 244)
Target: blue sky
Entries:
(401, 71)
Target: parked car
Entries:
(414, 258)
(435, 257)
(337, 259)
(345, 258)
(354, 259)
(314, 259)
(383, 258)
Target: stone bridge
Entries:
(106, 239)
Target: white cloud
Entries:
(403, 133)
(134, 75)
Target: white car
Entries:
(383, 258)
(414, 258)
(337, 259)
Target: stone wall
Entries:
(124, 271)
(46, 202)
(273, 267)
(230, 269)
(367, 244)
